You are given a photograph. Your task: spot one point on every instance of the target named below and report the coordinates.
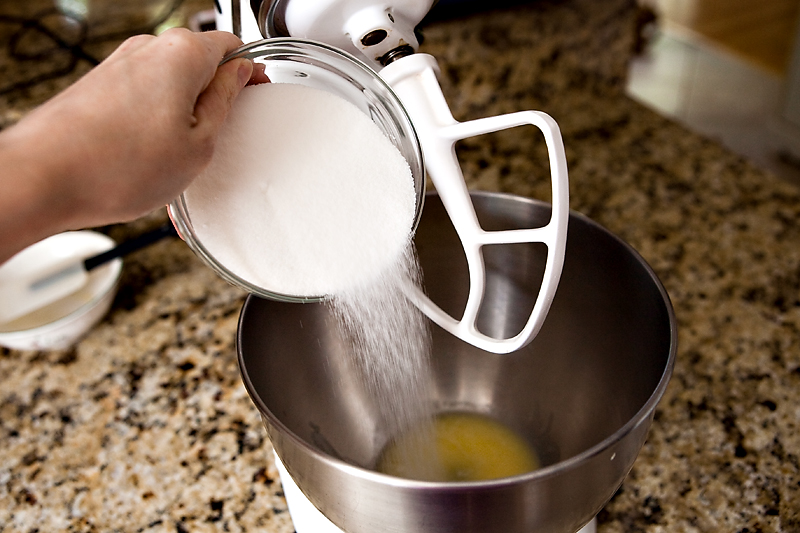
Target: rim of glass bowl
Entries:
(358, 73)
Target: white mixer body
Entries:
(357, 26)
(381, 34)
(368, 29)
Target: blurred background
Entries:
(729, 69)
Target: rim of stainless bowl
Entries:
(575, 461)
(281, 48)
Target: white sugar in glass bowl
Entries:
(316, 66)
(62, 323)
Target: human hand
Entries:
(127, 137)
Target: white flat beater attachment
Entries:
(414, 80)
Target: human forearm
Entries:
(32, 206)
(127, 137)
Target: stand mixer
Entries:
(381, 34)
(586, 402)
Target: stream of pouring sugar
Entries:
(390, 341)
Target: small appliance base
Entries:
(309, 519)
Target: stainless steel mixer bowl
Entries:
(583, 392)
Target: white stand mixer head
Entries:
(365, 28)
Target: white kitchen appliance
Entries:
(381, 34)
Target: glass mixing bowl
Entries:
(287, 60)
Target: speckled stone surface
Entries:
(145, 426)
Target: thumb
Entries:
(216, 100)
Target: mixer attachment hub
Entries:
(398, 53)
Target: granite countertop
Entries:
(145, 425)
